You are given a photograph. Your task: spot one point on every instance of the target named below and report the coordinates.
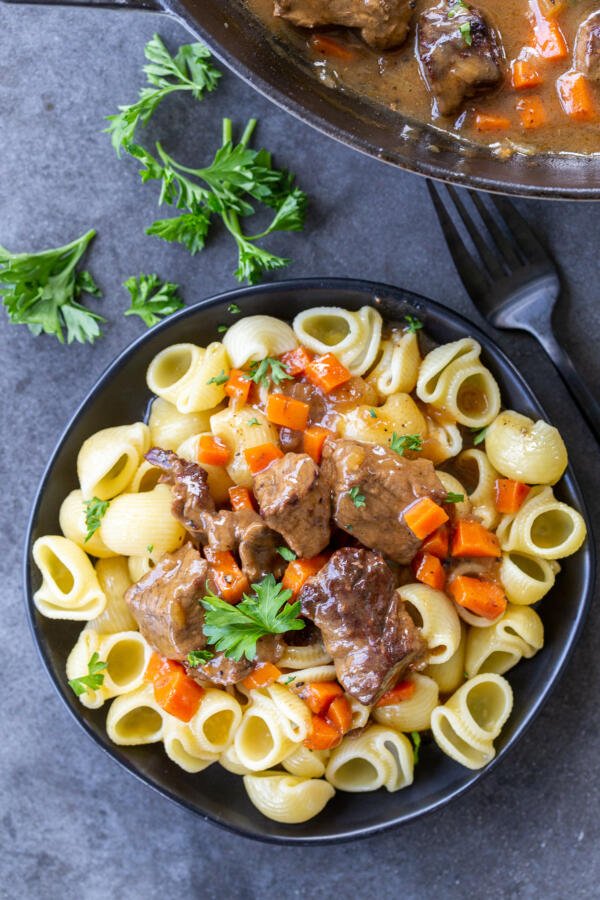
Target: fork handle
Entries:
(588, 405)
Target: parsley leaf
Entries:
(457, 8)
(189, 229)
(287, 554)
(372, 413)
(413, 324)
(234, 630)
(190, 70)
(465, 30)
(479, 435)
(416, 739)
(402, 442)
(253, 421)
(42, 290)
(259, 371)
(198, 658)
(451, 497)
(221, 329)
(93, 680)
(152, 298)
(95, 510)
(234, 309)
(357, 498)
(221, 378)
(150, 548)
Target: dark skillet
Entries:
(121, 396)
(243, 44)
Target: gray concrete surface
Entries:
(73, 824)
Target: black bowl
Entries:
(121, 396)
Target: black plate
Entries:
(121, 396)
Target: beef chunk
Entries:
(363, 622)
(382, 23)
(460, 54)
(189, 484)
(223, 671)
(165, 605)
(389, 483)
(295, 501)
(587, 47)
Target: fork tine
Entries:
(492, 263)
(471, 274)
(505, 242)
(528, 243)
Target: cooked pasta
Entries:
(126, 655)
(475, 469)
(182, 747)
(452, 485)
(108, 459)
(189, 377)
(443, 440)
(451, 377)
(256, 337)
(379, 757)
(69, 588)
(217, 720)
(230, 761)
(450, 675)
(113, 578)
(352, 336)
(414, 713)
(518, 634)
(436, 618)
(133, 522)
(399, 415)
(397, 368)
(430, 383)
(169, 428)
(145, 478)
(135, 718)
(543, 527)
(306, 676)
(287, 798)
(306, 763)
(526, 579)
(238, 431)
(262, 741)
(72, 524)
(519, 448)
(304, 657)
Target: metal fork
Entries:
(509, 276)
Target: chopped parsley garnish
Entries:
(221, 329)
(416, 739)
(151, 298)
(289, 679)
(253, 421)
(150, 548)
(413, 324)
(94, 678)
(221, 378)
(260, 374)
(95, 510)
(198, 658)
(451, 497)
(287, 554)
(465, 30)
(372, 413)
(234, 309)
(478, 435)
(402, 442)
(458, 7)
(234, 630)
(357, 498)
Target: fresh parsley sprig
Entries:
(357, 498)
(400, 443)
(197, 658)
(416, 741)
(234, 630)
(452, 497)
(42, 290)
(479, 435)
(287, 554)
(95, 511)
(266, 370)
(94, 678)
(190, 70)
(151, 298)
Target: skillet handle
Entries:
(144, 5)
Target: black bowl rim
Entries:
(588, 558)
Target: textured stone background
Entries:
(73, 824)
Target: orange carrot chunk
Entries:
(287, 412)
(229, 580)
(403, 691)
(322, 735)
(438, 543)
(318, 695)
(510, 495)
(473, 539)
(532, 112)
(258, 458)
(158, 666)
(327, 372)
(424, 516)
(549, 39)
(429, 570)
(177, 693)
(238, 387)
(264, 674)
(296, 361)
(576, 97)
(212, 451)
(525, 75)
(482, 598)
(313, 439)
(240, 498)
(300, 570)
(339, 715)
(327, 46)
(491, 122)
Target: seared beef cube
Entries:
(587, 47)
(191, 496)
(371, 488)
(224, 671)
(460, 53)
(165, 605)
(295, 501)
(382, 23)
(363, 622)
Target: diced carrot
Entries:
(327, 46)
(473, 539)
(510, 495)
(322, 735)
(491, 122)
(327, 372)
(212, 451)
(158, 666)
(238, 387)
(525, 74)
(265, 673)
(230, 582)
(438, 543)
(429, 570)
(287, 412)
(319, 694)
(258, 458)
(300, 570)
(339, 715)
(313, 439)
(177, 693)
(424, 516)
(552, 8)
(576, 97)
(532, 112)
(483, 598)
(403, 691)
(296, 361)
(240, 498)
(549, 39)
